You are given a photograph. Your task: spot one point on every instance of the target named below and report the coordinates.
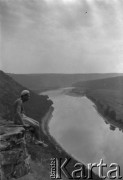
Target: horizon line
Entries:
(62, 73)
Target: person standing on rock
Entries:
(20, 118)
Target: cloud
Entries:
(16, 15)
(96, 17)
(73, 36)
(8, 18)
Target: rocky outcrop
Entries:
(14, 158)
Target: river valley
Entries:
(82, 132)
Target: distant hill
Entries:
(42, 82)
(105, 93)
(36, 107)
(114, 83)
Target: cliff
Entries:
(14, 158)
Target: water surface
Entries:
(82, 132)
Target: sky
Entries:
(61, 36)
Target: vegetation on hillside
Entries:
(43, 82)
(107, 94)
(113, 83)
(10, 90)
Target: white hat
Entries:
(25, 92)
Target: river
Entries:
(82, 132)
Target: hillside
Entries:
(42, 82)
(10, 90)
(114, 83)
(107, 94)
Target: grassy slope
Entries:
(42, 82)
(106, 91)
(10, 90)
(115, 83)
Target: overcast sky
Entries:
(61, 36)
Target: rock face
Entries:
(14, 159)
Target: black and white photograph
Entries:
(61, 89)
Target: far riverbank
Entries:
(99, 108)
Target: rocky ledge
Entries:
(14, 158)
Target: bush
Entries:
(112, 115)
